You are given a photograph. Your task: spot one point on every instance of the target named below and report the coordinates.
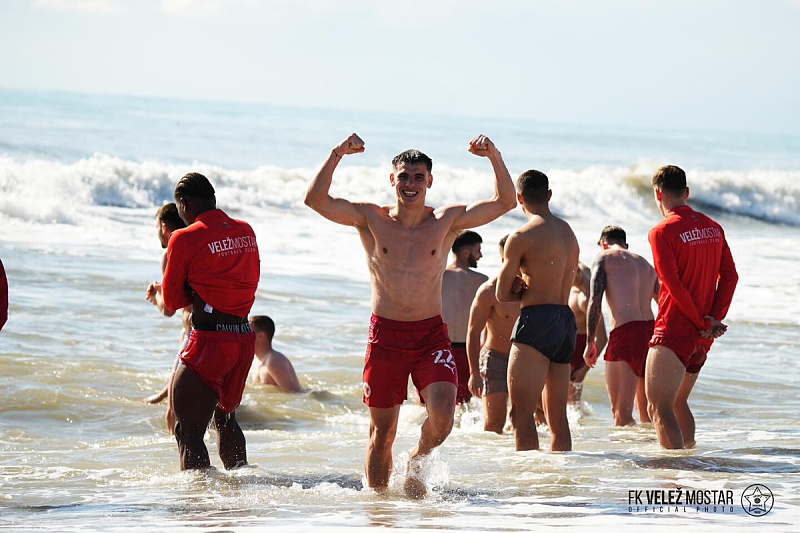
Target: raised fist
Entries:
(482, 146)
(351, 145)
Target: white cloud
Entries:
(81, 6)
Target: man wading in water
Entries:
(407, 245)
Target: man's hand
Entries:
(476, 385)
(150, 293)
(590, 354)
(519, 286)
(351, 145)
(482, 146)
(716, 330)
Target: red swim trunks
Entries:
(577, 357)
(222, 360)
(691, 350)
(462, 368)
(629, 343)
(397, 349)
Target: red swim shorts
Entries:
(462, 369)
(577, 358)
(398, 349)
(222, 359)
(692, 350)
(629, 343)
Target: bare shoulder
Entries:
(449, 211)
(487, 288)
(565, 227)
(477, 277)
(370, 210)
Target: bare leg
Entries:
(495, 407)
(231, 443)
(555, 400)
(539, 415)
(440, 402)
(682, 411)
(641, 403)
(664, 375)
(169, 417)
(194, 403)
(382, 431)
(621, 382)
(576, 384)
(527, 372)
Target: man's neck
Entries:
(409, 216)
(672, 203)
(460, 263)
(541, 210)
(263, 356)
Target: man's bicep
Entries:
(342, 211)
(176, 273)
(481, 308)
(597, 284)
(479, 213)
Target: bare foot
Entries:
(414, 487)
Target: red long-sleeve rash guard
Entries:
(217, 257)
(696, 270)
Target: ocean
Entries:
(81, 177)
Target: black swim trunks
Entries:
(551, 329)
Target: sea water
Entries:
(80, 179)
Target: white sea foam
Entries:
(52, 192)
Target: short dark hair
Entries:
(465, 238)
(670, 178)
(194, 185)
(413, 157)
(533, 186)
(168, 214)
(263, 324)
(503, 243)
(613, 234)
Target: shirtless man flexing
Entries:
(698, 277)
(406, 245)
(630, 285)
(488, 363)
(213, 265)
(545, 250)
(459, 285)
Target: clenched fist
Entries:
(482, 146)
(351, 145)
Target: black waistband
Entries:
(458, 344)
(244, 327)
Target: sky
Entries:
(702, 64)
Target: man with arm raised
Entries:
(407, 244)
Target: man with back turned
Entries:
(213, 265)
(545, 252)
(698, 278)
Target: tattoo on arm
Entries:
(598, 287)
